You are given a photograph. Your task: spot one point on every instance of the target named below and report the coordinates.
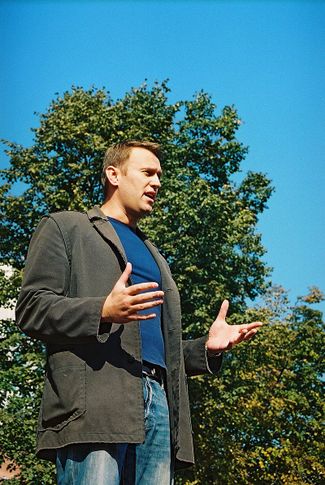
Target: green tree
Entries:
(261, 422)
(21, 378)
(204, 222)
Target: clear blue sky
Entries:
(265, 57)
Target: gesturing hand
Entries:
(223, 336)
(124, 302)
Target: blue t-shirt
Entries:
(144, 270)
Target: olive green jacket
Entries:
(93, 385)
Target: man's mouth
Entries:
(151, 195)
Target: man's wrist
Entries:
(212, 353)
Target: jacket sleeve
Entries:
(196, 359)
(44, 310)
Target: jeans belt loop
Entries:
(153, 371)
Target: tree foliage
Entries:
(261, 422)
(204, 223)
(61, 171)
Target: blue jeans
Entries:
(119, 463)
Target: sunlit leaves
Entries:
(261, 421)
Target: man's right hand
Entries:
(124, 302)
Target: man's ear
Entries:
(112, 174)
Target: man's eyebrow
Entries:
(153, 170)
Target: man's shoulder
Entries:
(71, 222)
(68, 216)
(64, 221)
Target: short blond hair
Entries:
(116, 155)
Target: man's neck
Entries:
(116, 212)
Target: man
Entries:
(115, 406)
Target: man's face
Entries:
(138, 183)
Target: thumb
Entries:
(126, 274)
(223, 310)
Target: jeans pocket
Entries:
(147, 396)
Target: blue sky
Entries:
(265, 57)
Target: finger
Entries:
(135, 316)
(250, 326)
(223, 310)
(126, 274)
(144, 297)
(146, 306)
(250, 334)
(237, 339)
(140, 287)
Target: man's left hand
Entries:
(223, 336)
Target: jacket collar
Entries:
(95, 214)
(100, 222)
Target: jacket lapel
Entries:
(105, 229)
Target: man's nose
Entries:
(155, 182)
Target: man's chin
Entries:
(143, 212)
(146, 211)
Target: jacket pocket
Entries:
(64, 396)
